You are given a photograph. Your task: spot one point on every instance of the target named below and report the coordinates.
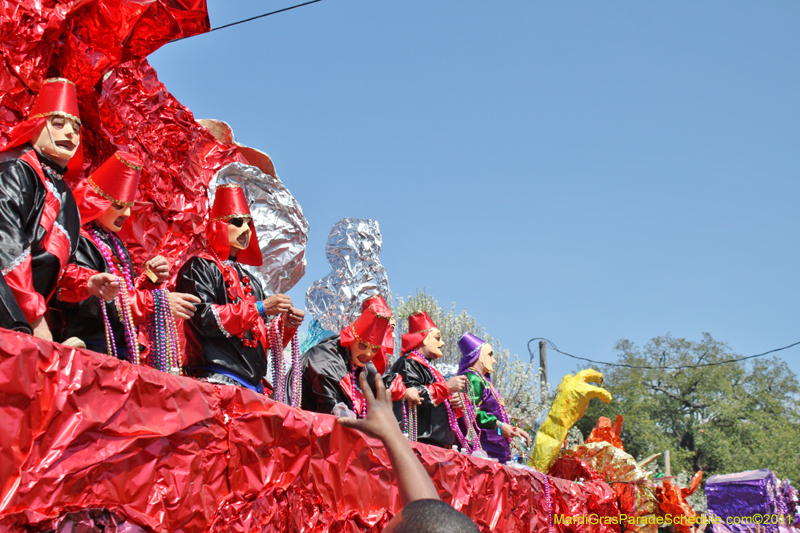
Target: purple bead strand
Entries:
(451, 416)
(297, 373)
(275, 334)
(126, 284)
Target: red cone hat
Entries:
(230, 202)
(419, 325)
(56, 97)
(371, 328)
(388, 339)
(114, 182)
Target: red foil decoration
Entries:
(180, 158)
(633, 486)
(122, 104)
(600, 498)
(90, 442)
(86, 431)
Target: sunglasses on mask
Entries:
(238, 221)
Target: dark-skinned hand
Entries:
(380, 422)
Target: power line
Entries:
(251, 18)
(552, 346)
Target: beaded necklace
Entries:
(410, 420)
(504, 418)
(115, 259)
(231, 278)
(165, 354)
(550, 528)
(355, 388)
(275, 335)
(111, 346)
(297, 373)
(451, 416)
(470, 419)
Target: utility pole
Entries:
(543, 368)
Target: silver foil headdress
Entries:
(352, 251)
(280, 225)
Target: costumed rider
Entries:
(433, 420)
(39, 221)
(104, 200)
(227, 338)
(484, 405)
(331, 369)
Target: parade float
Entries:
(92, 443)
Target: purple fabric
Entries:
(493, 444)
(470, 347)
(744, 496)
(792, 499)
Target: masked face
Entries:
(239, 233)
(114, 217)
(432, 345)
(361, 353)
(58, 140)
(487, 358)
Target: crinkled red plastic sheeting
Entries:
(29, 32)
(85, 431)
(600, 498)
(81, 40)
(100, 45)
(180, 158)
(604, 432)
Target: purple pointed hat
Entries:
(470, 347)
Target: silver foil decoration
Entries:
(352, 251)
(448, 370)
(280, 225)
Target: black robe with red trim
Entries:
(75, 314)
(326, 378)
(211, 334)
(39, 227)
(433, 424)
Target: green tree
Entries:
(519, 383)
(720, 419)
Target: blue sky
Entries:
(580, 171)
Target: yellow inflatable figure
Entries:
(569, 406)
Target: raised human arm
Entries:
(380, 423)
